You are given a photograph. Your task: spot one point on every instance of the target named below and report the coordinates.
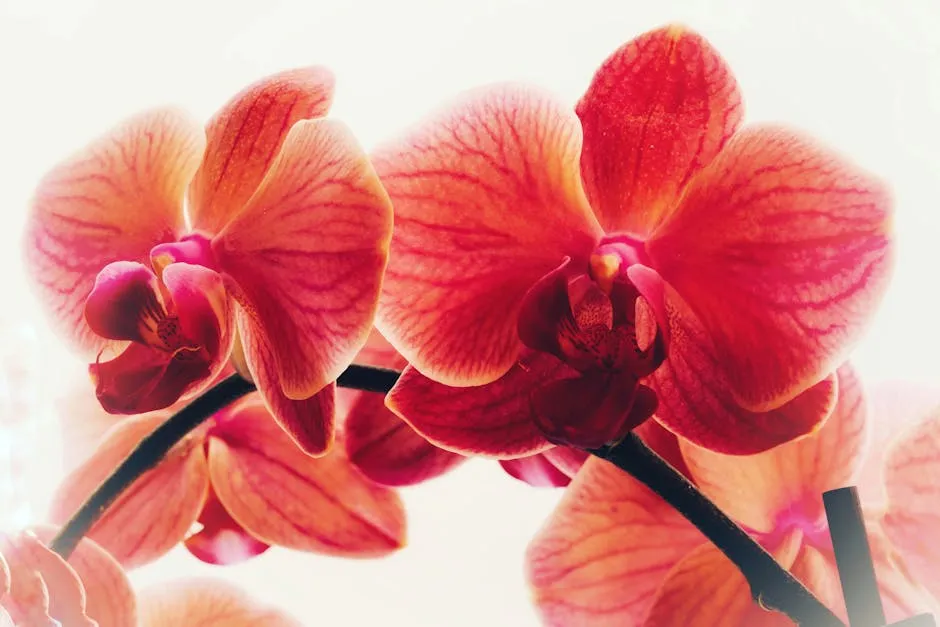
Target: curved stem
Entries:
(771, 585)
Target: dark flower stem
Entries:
(771, 585)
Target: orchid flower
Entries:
(40, 589)
(244, 485)
(206, 603)
(572, 272)
(614, 553)
(388, 451)
(282, 241)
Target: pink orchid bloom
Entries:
(245, 483)
(614, 553)
(40, 589)
(161, 241)
(206, 603)
(580, 267)
(388, 451)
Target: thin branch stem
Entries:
(771, 585)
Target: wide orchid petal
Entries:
(696, 403)
(306, 257)
(113, 201)
(282, 496)
(222, 540)
(783, 250)
(109, 598)
(763, 490)
(488, 199)
(246, 135)
(139, 527)
(912, 466)
(658, 110)
(493, 419)
(536, 470)
(387, 450)
(605, 550)
(206, 603)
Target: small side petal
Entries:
(282, 496)
(658, 110)
(113, 201)
(222, 540)
(604, 552)
(307, 256)
(760, 490)
(912, 518)
(783, 250)
(206, 603)
(536, 470)
(246, 135)
(387, 450)
(488, 199)
(696, 403)
(495, 419)
(567, 459)
(140, 526)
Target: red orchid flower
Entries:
(388, 451)
(583, 267)
(206, 603)
(283, 240)
(241, 481)
(614, 553)
(40, 589)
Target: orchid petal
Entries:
(206, 314)
(113, 201)
(536, 470)
(912, 465)
(124, 296)
(902, 597)
(246, 135)
(658, 110)
(783, 250)
(206, 603)
(788, 480)
(307, 255)
(138, 527)
(282, 496)
(109, 598)
(695, 401)
(566, 459)
(603, 553)
(387, 450)
(222, 540)
(493, 419)
(487, 200)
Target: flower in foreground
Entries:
(283, 241)
(387, 450)
(570, 271)
(614, 553)
(40, 589)
(246, 486)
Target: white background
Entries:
(863, 76)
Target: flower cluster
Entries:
(556, 279)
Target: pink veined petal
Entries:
(536, 470)
(139, 527)
(282, 496)
(605, 550)
(307, 255)
(387, 450)
(566, 459)
(246, 135)
(206, 603)
(658, 110)
(487, 199)
(788, 480)
(59, 594)
(912, 516)
(222, 540)
(902, 598)
(109, 598)
(783, 250)
(493, 419)
(114, 200)
(696, 403)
